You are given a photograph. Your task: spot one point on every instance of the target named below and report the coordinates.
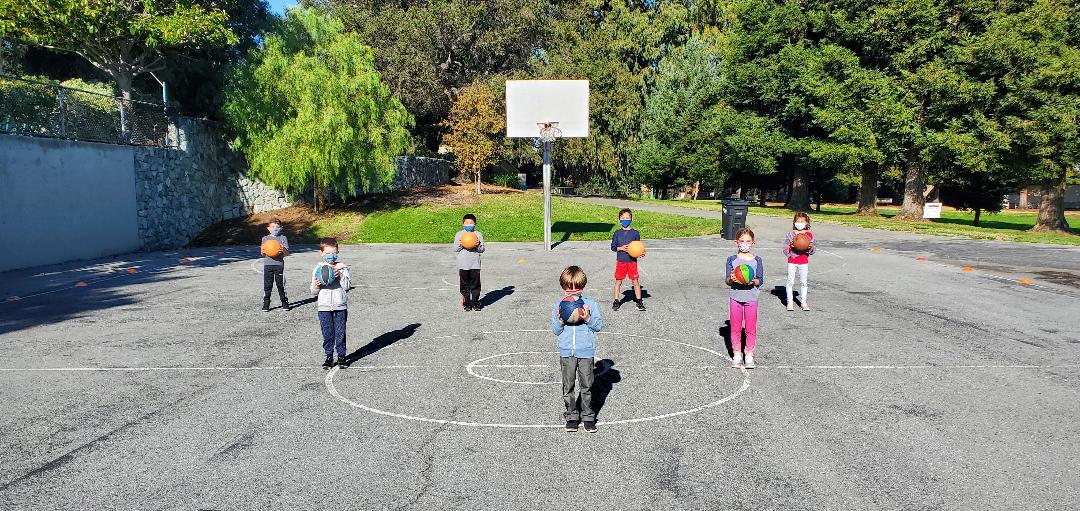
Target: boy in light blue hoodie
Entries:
(576, 329)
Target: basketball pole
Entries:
(547, 195)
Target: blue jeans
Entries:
(332, 324)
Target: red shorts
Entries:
(624, 269)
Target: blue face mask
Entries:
(625, 223)
(470, 228)
(275, 231)
(330, 258)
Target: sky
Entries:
(278, 6)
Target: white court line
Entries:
(519, 366)
(971, 366)
(88, 283)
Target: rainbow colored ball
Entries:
(744, 274)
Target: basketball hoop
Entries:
(549, 131)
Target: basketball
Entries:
(325, 275)
(469, 240)
(744, 273)
(801, 242)
(636, 249)
(570, 309)
(272, 248)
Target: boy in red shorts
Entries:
(625, 266)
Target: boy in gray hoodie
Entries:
(469, 264)
(577, 346)
(333, 303)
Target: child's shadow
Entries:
(628, 294)
(606, 377)
(725, 333)
(382, 341)
(493, 296)
(780, 292)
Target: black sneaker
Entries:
(476, 306)
(466, 307)
(266, 307)
(571, 426)
(343, 362)
(328, 363)
(590, 426)
(640, 305)
(286, 306)
(615, 305)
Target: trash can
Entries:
(734, 217)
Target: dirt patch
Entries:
(299, 221)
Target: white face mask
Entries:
(800, 226)
(744, 246)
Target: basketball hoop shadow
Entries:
(569, 228)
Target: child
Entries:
(333, 303)
(469, 265)
(624, 264)
(577, 345)
(798, 260)
(274, 267)
(743, 304)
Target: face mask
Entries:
(800, 226)
(744, 246)
(330, 258)
(275, 231)
(625, 223)
(470, 228)
(571, 292)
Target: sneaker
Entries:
(266, 308)
(343, 362)
(749, 361)
(571, 426)
(737, 360)
(805, 307)
(286, 307)
(791, 307)
(640, 305)
(328, 363)
(476, 306)
(615, 305)
(590, 426)
(466, 307)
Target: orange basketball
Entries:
(469, 240)
(801, 242)
(636, 249)
(272, 248)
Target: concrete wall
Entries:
(62, 200)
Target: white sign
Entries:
(931, 210)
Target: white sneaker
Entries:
(805, 307)
(750, 361)
(736, 361)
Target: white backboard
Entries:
(529, 102)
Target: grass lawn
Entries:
(503, 217)
(1006, 225)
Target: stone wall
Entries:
(182, 191)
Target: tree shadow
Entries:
(606, 377)
(382, 341)
(725, 334)
(495, 295)
(570, 228)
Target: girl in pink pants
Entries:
(742, 306)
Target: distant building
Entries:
(1028, 198)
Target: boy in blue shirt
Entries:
(625, 266)
(577, 346)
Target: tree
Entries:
(309, 109)
(474, 127)
(1032, 58)
(123, 38)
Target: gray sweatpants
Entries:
(579, 372)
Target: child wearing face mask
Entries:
(333, 303)
(469, 265)
(743, 304)
(798, 260)
(274, 267)
(625, 266)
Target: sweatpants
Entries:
(274, 274)
(469, 284)
(577, 372)
(743, 315)
(791, 269)
(332, 324)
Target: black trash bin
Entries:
(734, 217)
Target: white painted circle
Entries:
(332, 389)
(471, 368)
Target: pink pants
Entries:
(743, 315)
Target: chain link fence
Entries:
(45, 109)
